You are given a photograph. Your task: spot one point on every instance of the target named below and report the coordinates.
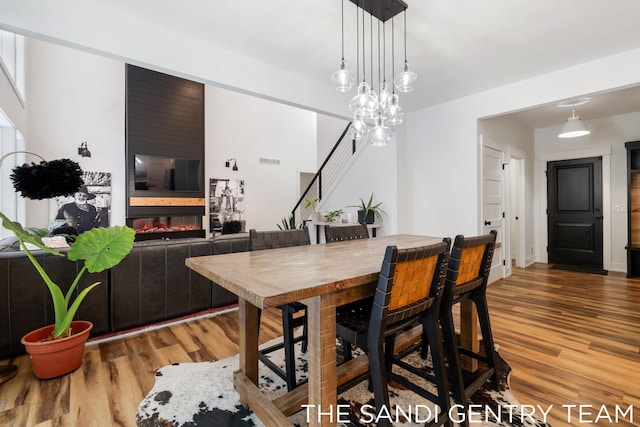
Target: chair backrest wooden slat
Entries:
(259, 240)
(410, 281)
(338, 233)
(470, 262)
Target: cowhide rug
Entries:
(202, 394)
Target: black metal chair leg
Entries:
(451, 347)
(289, 350)
(378, 380)
(431, 329)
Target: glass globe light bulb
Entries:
(358, 129)
(358, 104)
(372, 104)
(342, 79)
(379, 135)
(405, 80)
(393, 115)
(385, 95)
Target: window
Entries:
(11, 204)
(12, 60)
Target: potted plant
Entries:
(315, 215)
(288, 223)
(332, 215)
(58, 349)
(368, 212)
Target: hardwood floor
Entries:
(570, 339)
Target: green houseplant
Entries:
(312, 203)
(368, 212)
(58, 349)
(332, 216)
(288, 223)
(99, 249)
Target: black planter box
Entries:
(368, 220)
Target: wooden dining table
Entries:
(322, 277)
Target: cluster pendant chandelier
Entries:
(375, 111)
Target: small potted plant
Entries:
(58, 349)
(315, 215)
(332, 216)
(368, 212)
(288, 223)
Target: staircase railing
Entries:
(326, 176)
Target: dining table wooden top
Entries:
(274, 277)
(323, 277)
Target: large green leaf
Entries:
(26, 237)
(102, 248)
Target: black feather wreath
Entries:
(47, 179)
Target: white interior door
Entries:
(493, 195)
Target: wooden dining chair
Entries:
(408, 291)
(339, 233)
(467, 276)
(260, 240)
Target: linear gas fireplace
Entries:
(167, 227)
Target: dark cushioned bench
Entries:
(151, 284)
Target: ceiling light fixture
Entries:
(374, 111)
(574, 127)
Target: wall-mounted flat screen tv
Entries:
(162, 174)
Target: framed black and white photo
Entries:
(226, 202)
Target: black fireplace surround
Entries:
(164, 151)
(151, 284)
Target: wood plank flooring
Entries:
(570, 338)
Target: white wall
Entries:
(247, 129)
(373, 170)
(329, 129)
(73, 97)
(442, 146)
(608, 135)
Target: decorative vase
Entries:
(316, 216)
(54, 358)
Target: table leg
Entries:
(249, 327)
(321, 312)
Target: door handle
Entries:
(487, 223)
(598, 217)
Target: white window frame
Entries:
(12, 61)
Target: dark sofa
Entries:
(151, 284)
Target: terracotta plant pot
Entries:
(50, 359)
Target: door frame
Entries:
(517, 180)
(542, 223)
(504, 270)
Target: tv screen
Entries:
(160, 173)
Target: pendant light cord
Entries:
(357, 44)
(342, 22)
(393, 52)
(405, 36)
(364, 61)
(371, 46)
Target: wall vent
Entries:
(269, 161)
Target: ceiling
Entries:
(457, 47)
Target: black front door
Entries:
(574, 204)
